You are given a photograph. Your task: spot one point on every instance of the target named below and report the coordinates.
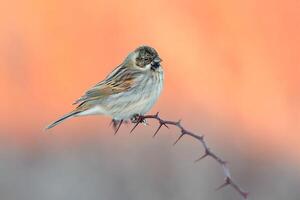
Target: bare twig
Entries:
(207, 151)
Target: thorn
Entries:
(245, 194)
(227, 182)
(137, 123)
(178, 123)
(201, 158)
(165, 125)
(207, 151)
(134, 127)
(182, 134)
(118, 126)
(156, 115)
(157, 130)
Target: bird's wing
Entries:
(118, 81)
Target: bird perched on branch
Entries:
(128, 92)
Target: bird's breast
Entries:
(139, 99)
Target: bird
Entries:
(127, 93)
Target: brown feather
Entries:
(118, 82)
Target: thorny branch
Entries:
(228, 181)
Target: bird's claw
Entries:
(138, 119)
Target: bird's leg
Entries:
(136, 119)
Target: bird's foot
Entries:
(138, 119)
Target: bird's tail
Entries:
(63, 118)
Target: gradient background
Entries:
(231, 72)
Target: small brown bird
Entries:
(127, 92)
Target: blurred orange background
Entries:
(227, 63)
(232, 73)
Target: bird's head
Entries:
(145, 58)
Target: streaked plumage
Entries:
(128, 91)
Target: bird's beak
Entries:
(157, 60)
(155, 63)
